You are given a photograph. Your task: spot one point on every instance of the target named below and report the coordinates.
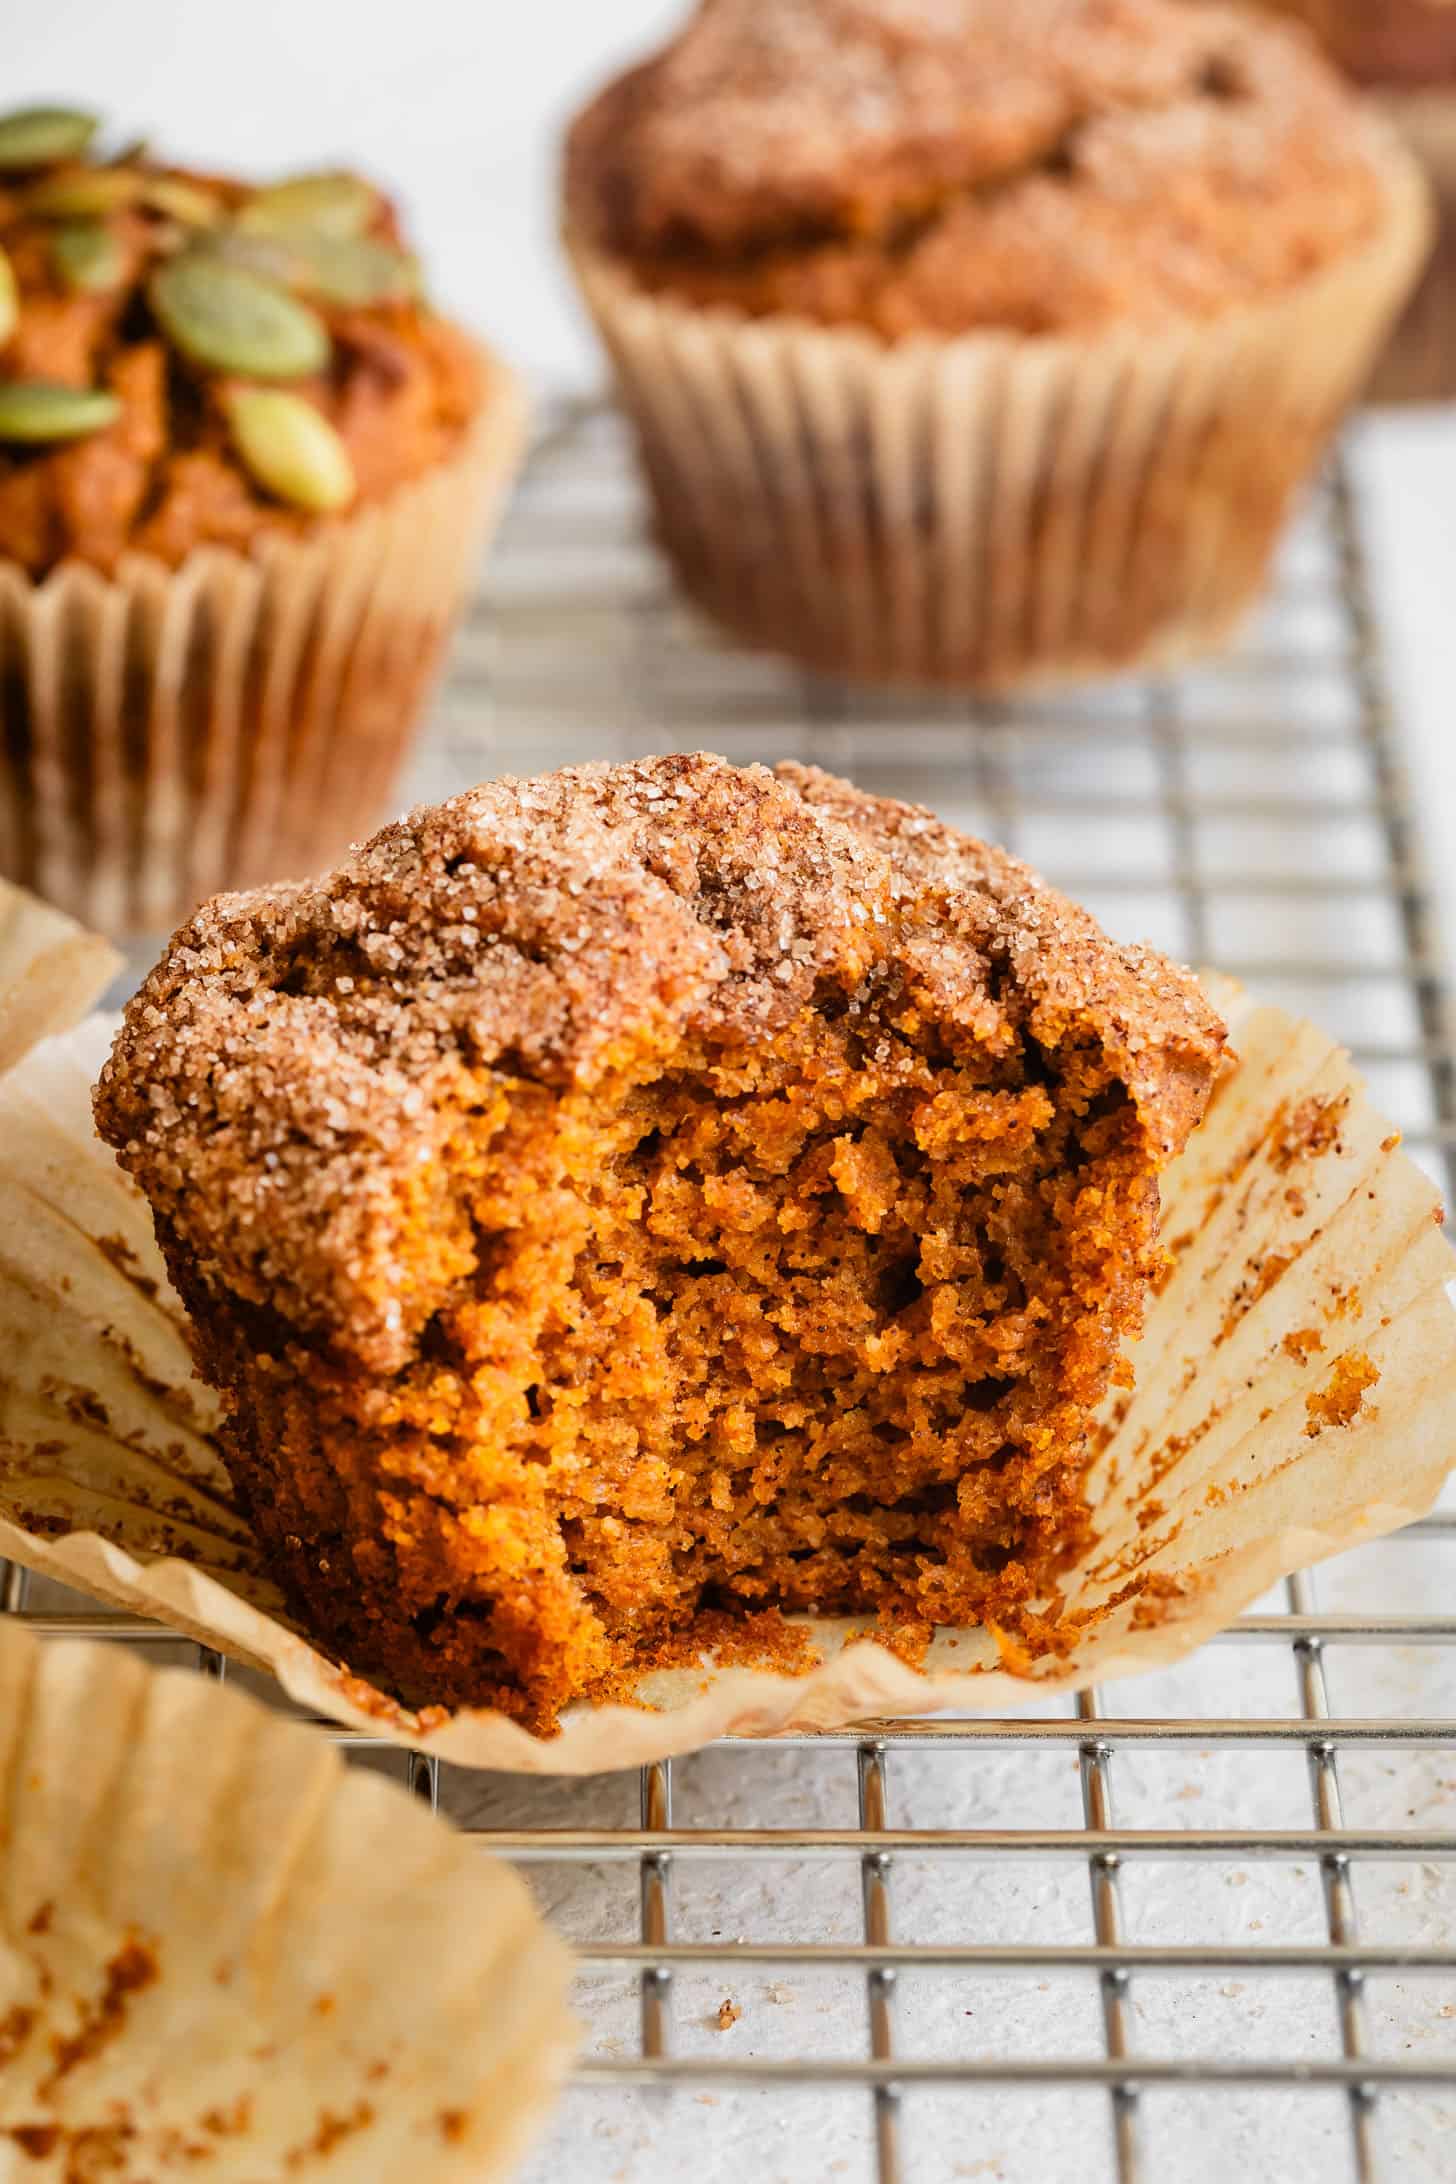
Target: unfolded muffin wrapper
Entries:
(991, 510)
(167, 733)
(225, 1953)
(1294, 1394)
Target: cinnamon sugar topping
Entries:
(950, 163)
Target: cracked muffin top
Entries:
(301, 1053)
(189, 359)
(943, 165)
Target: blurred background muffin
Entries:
(980, 344)
(244, 472)
(1405, 52)
(1410, 42)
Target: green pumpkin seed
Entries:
(332, 203)
(266, 255)
(88, 257)
(33, 411)
(348, 271)
(353, 270)
(179, 200)
(9, 300)
(82, 193)
(291, 450)
(230, 319)
(41, 136)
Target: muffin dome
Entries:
(949, 164)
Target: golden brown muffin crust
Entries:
(401, 389)
(948, 164)
(301, 1049)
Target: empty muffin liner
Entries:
(1293, 1395)
(993, 510)
(167, 733)
(225, 1953)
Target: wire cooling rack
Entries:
(1197, 1926)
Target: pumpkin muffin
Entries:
(244, 470)
(985, 344)
(622, 1206)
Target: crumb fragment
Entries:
(129, 1972)
(728, 2015)
(1342, 1398)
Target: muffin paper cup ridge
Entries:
(223, 1952)
(167, 733)
(993, 510)
(51, 970)
(1294, 1392)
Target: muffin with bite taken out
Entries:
(244, 472)
(620, 1207)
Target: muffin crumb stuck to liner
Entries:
(245, 470)
(226, 1953)
(981, 345)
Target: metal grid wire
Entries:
(1198, 1926)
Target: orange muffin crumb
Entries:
(1342, 1400)
(623, 1205)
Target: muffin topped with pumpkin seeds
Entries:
(245, 474)
(188, 359)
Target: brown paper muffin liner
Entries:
(1294, 1394)
(224, 1953)
(992, 510)
(167, 733)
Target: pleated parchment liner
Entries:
(994, 510)
(167, 733)
(51, 970)
(224, 1953)
(1295, 1393)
